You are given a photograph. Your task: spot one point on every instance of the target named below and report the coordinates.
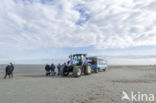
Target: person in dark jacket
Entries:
(53, 70)
(8, 71)
(58, 68)
(47, 68)
(12, 69)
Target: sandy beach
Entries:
(104, 87)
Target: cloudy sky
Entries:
(48, 29)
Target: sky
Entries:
(40, 31)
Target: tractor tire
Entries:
(96, 70)
(64, 71)
(76, 71)
(88, 70)
(104, 70)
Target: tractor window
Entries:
(92, 60)
(77, 57)
(83, 58)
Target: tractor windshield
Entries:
(76, 57)
(80, 58)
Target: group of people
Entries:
(50, 69)
(9, 71)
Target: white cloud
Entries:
(32, 24)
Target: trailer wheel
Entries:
(96, 70)
(88, 70)
(64, 71)
(76, 71)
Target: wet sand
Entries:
(104, 87)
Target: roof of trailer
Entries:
(79, 54)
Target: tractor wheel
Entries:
(88, 70)
(76, 71)
(96, 70)
(104, 70)
(64, 71)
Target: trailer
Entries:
(98, 63)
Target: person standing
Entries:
(58, 68)
(53, 70)
(7, 71)
(47, 68)
(12, 69)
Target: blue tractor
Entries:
(77, 65)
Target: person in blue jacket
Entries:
(58, 68)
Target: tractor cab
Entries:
(77, 59)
